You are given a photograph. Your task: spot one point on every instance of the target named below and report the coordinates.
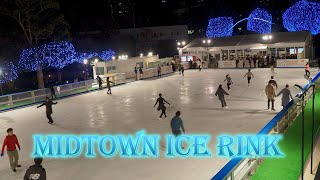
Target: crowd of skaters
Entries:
(11, 142)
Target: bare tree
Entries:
(39, 21)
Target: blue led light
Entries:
(107, 55)
(82, 56)
(220, 27)
(260, 21)
(9, 72)
(303, 15)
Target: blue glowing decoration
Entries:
(80, 57)
(8, 72)
(58, 54)
(303, 15)
(31, 59)
(107, 55)
(220, 27)
(260, 21)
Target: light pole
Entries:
(207, 42)
(180, 45)
(267, 38)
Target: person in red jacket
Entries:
(11, 141)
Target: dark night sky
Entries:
(85, 15)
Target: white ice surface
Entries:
(130, 109)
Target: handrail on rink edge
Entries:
(228, 171)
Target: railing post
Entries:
(10, 100)
(33, 96)
(312, 129)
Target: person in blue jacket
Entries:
(177, 124)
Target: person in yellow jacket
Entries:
(271, 94)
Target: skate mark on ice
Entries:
(7, 119)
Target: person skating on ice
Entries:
(100, 81)
(109, 85)
(161, 106)
(270, 92)
(307, 70)
(11, 142)
(182, 70)
(249, 76)
(36, 171)
(274, 82)
(229, 81)
(286, 96)
(52, 92)
(159, 71)
(177, 125)
(48, 103)
(220, 93)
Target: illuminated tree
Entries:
(220, 27)
(260, 21)
(8, 72)
(107, 55)
(303, 15)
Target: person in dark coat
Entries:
(99, 80)
(52, 91)
(159, 71)
(220, 93)
(141, 72)
(109, 85)
(48, 103)
(136, 72)
(36, 172)
(182, 70)
(286, 96)
(161, 106)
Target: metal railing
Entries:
(35, 96)
(243, 168)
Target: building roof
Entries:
(251, 39)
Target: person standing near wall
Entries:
(159, 71)
(141, 72)
(11, 141)
(109, 85)
(99, 80)
(52, 92)
(136, 72)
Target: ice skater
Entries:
(36, 171)
(229, 81)
(161, 106)
(249, 76)
(52, 92)
(274, 82)
(159, 71)
(182, 70)
(220, 93)
(100, 81)
(307, 70)
(270, 92)
(177, 124)
(141, 72)
(11, 142)
(48, 103)
(109, 85)
(286, 96)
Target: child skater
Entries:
(229, 81)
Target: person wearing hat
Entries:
(36, 171)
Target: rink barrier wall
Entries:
(242, 168)
(28, 98)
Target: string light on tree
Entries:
(303, 15)
(8, 72)
(220, 27)
(260, 21)
(107, 55)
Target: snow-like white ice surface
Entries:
(130, 109)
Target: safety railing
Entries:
(31, 97)
(242, 168)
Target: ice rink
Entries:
(130, 109)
